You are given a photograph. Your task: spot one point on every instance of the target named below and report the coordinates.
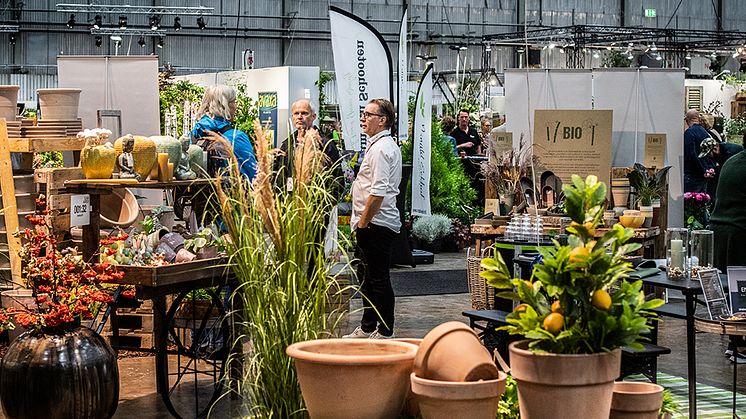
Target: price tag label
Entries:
(80, 210)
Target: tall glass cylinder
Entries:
(703, 247)
(677, 252)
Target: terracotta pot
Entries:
(636, 400)
(453, 352)
(59, 103)
(346, 378)
(184, 255)
(119, 209)
(8, 102)
(19, 298)
(446, 399)
(155, 237)
(411, 406)
(564, 386)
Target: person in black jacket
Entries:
(303, 115)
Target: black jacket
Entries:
(283, 166)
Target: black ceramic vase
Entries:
(69, 374)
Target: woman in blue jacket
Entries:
(217, 109)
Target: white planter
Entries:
(8, 102)
(59, 103)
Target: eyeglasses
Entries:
(367, 115)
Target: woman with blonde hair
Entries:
(218, 109)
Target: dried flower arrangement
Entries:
(505, 170)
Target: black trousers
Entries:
(374, 252)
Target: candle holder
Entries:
(677, 244)
(703, 245)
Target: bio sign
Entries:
(568, 142)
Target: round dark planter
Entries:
(432, 247)
(70, 374)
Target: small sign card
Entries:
(737, 288)
(80, 210)
(655, 150)
(717, 305)
(503, 142)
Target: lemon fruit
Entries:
(556, 308)
(601, 300)
(579, 254)
(553, 323)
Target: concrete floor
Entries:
(415, 317)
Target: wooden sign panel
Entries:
(503, 142)
(568, 142)
(655, 150)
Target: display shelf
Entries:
(175, 273)
(38, 145)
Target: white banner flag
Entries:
(421, 131)
(402, 84)
(362, 63)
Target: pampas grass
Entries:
(277, 255)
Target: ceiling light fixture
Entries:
(99, 41)
(97, 22)
(71, 22)
(160, 42)
(141, 41)
(122, 22)
(155, 22)
(201, 24)
(177, 23)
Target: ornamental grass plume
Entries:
(277, 255)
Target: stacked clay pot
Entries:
(454, 373)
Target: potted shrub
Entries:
(576, 314)
(430, 230)
(648, 187)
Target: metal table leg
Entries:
(691, 354)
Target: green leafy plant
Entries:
(737, 82)
(648, 187)
(174, 94)
(324, 78)
(579, 300)
(616, 58)
(47, 159)
(431, 227)
(669, 405)
(736, 127)
(508, 406)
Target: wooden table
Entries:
(736, 331)
(91, 232)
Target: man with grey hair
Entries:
(696, 173)
(303, 114)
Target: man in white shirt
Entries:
(375, 219)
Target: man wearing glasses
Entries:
(375, 219)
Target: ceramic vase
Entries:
(453, 352)
(61, 103)
(353, 378)
(446, 399)
(564, 386)
(8, 102)
(632, 400)
(647, 212)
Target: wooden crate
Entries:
(54, 179)
(144, 340)
(132, 322)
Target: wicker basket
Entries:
(482, 295)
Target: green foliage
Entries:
(648, 187)
(736, 127)
(47, 159)
(431, 228)
(175, 94)
(616, 58)
(669, 404)
(508, 407)
(737, 82)
(600, 310)
(324, 78)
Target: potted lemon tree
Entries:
(576, 313)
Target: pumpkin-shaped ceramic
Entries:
(170, 145)
(144, 154)
(98, 161)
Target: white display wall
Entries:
(714, 90)
(642, 101)
(125, 83)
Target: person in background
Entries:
(485, 128)
(708, 121)
(448, 124)
(696, 173)
(714, 154)
(375, 219)
(467, 139)
(218, 109)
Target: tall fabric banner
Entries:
(362, 63)
(422, 130)
(403, 97)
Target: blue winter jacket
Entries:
(239, 141)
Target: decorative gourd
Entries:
(97, 160)
(197, 160)
(144, 154)
(170, 145)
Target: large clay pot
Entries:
(8, 102)
(69, 374)
(620, 190)
(563, 386)
(119, 209)
(353, 378)
(636, 400)
(144, 154)
(411, 407)
(446, 399)
(453, 352)
(59, 103)
(20, 299)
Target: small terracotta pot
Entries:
(353, 378)
(453, 352)
(8, 102)
(184, 255)
(446, 400)
(411, 407)
(563, 386)
(119, 208)
(61, 103)
(636, 400)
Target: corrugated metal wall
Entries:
(295, 32)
